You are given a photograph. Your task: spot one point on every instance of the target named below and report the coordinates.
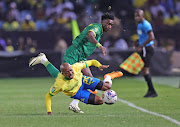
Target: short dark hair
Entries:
(107, 16)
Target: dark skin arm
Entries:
(150, 38)
(90, 36)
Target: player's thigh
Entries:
(82, 95)
(87, 72)
(90, 82)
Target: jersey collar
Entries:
(67, 78)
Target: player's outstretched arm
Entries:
(103, 67)
(96, 64)
(91, 38)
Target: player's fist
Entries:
(103, 49)
(103, 67)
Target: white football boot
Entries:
(37, 60)
(75, 109)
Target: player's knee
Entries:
(106, 86)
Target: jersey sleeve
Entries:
(147, 27)
(80, 65)
(95, 29)
(85, 64)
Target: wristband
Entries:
(98, 45)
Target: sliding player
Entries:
(72, 82)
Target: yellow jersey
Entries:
(71, 86)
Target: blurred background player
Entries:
(145, 48)
(72, 82)
(85, 44)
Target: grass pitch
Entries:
(22, 104)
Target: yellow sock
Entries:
(48, 102)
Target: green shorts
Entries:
(73, 55)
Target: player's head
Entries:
(67, 70)
(139, 15)
(107, 20)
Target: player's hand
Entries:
(138, 49)
(103, 49)
(103, 67)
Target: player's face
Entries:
(68, 72)
(138, 17)
(107, 24)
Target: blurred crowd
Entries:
(23, 44)
(47, 15)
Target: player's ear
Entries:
(62, 72)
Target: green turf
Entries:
(22, 105)
(173, 81)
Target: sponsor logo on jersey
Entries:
(53, 89)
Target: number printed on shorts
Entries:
(87, 80)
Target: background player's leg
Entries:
(87, 72)
(108, 77)
(151, 92)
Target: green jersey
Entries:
(81, 41)
(81, 48)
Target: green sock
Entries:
(51, 69)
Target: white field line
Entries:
(145, 110)
(153, 113)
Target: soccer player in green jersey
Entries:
(85, 44)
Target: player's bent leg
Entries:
(95, 100)
(106, 86)
(103, 86)
(114, 74)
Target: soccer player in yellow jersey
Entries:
(72, 82)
